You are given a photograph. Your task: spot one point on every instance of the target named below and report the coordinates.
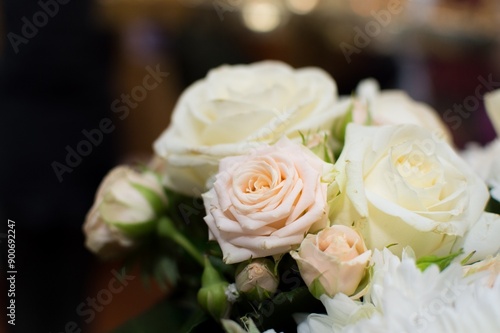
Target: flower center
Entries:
(416, 165)
(334, 243)
(257, 184)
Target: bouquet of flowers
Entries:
(273, 204)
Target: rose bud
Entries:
(490, 264)
(212, 294)
(257, 279)
(333, 261)
(126, 206)
(320, 144)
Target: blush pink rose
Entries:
(264, 203)
(333, 261)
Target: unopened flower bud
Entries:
(212, 294)
(333, 261)
(319, 144)
(257, 279)
(490, 264)
(133, 202)
(127, 204)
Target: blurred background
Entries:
(70, 70)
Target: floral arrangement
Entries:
(273, 204)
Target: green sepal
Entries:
(136, 229)
(316, 288)
(258, 294)
(442, 262)
(364, 284)
(212, 294)
(152, 198)
(339, 129)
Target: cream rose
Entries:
(126, 205)
(263, 203)
(236, 108)
(393, 107)
(402, 185)
(485, 162)
(492, 102)
(493, 179)
(333, 261)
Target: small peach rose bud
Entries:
(333, 261)
(257, 279)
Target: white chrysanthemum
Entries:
(404, 299)
(477, 310)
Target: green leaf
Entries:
(294, 294)
(199, 316)
(166, 271)
(442, 262)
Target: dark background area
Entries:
(63, 79)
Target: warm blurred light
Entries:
(261, 15)
(364, 8)
(191, 3)
(301, 6)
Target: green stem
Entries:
(167, 229)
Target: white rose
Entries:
(236, 108)
(492, 101)
(493, 179)
(394, 107)
(402, 185)
(482, 159)
(483, 238)
(485, 162)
